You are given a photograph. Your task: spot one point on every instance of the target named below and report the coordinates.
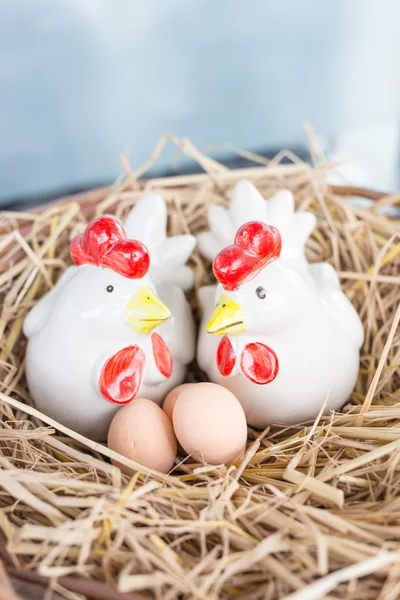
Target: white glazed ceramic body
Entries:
(79, 325)
(304, 318)
(317, 357)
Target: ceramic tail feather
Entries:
(147, 222)
(246, 205)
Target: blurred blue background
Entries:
(82, 81)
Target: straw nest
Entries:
(311, 512)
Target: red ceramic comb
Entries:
(104, 244)
(256, 245)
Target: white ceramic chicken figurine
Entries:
(277, 331)
(108, 330)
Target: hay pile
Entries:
(311, 512)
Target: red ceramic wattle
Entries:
(226, 357)
(104, 244)
(121, 376)
(259, 363)
(162, 355)
(256, 245)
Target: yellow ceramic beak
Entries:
(145, 311)
(227, 317)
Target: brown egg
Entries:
(172, 397)
(142, 431)
(210, 423)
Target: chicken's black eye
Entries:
(110, 288)
(261, 293)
